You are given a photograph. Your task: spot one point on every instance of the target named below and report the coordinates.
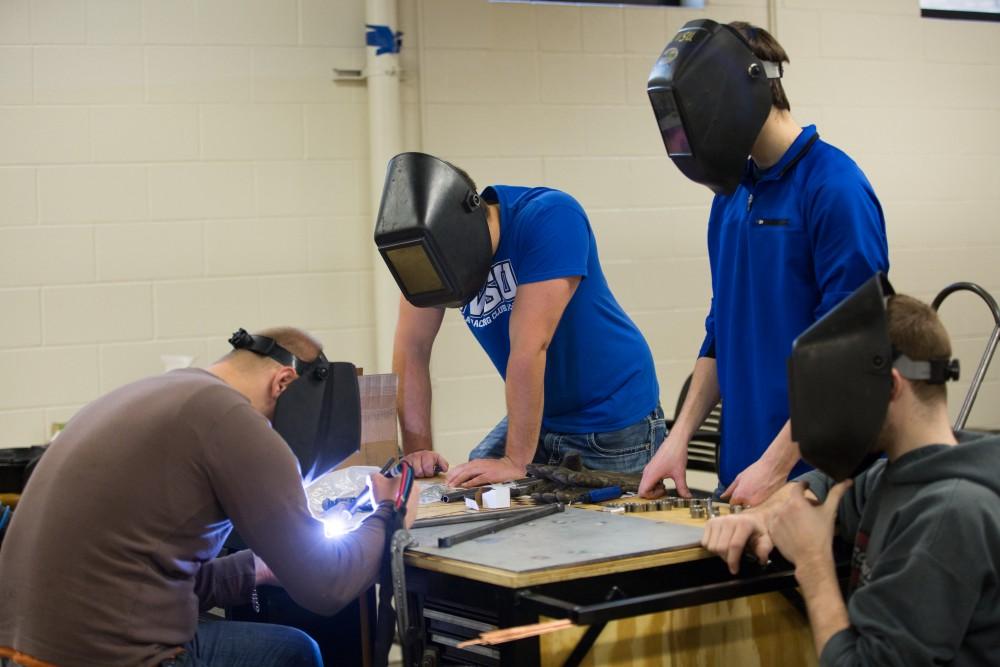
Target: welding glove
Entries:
(571, 473)
(565, 495)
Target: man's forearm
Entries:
(525, 393)
(827, 612)
(225, 581)
(783, 453)
(703, 395)
(413, 402)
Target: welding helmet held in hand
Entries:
(431, 231)
(319, 413)
(840, 381)
(710, 95)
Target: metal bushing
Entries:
(698, 512)
(736, 509)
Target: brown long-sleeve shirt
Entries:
(111, 551)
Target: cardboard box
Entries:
(379, 431)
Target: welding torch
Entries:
(392, 468)
(338, 522)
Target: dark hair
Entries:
(916, 331)
(765, 47)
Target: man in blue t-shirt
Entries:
(792, 231)
(579, 376)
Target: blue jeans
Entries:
(626, 450)
(238, 644)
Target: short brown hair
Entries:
(916, 331)
(766, 47)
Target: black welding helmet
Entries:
(318, 414)
(840, 381)
(711, 96)
(432, 232)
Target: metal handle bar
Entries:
(991, 346)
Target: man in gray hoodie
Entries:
(924, 520)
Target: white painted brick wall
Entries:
(171, 170)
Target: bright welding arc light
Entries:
(336, 525)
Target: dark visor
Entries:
(412, 264)
(668, 116)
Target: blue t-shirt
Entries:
(785, 248)
(599, 373)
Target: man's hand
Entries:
(385, 488)
(670, 461)
(262, 575)
(426, 463)
(485, 471)
(802, 529)
(729, 536)
(382, 488)
(755, 484)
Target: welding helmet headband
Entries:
(710, 95)
(319, 413)
(432, 232)
(840, 381)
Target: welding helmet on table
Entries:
(711, 96)
(431, 231)
(840, 381)
(319, 413)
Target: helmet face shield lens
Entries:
(411, 265)
(668, 117)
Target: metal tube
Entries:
(977, 380)
(991, 346)
(385, 139)
(502, 524)
(470, 518)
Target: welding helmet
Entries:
(711, 96)
(432, 232)
(319, 413)
(840, 381)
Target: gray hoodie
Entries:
(926, 563)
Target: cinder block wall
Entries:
(172, 169)
(916, 102)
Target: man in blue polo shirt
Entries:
(522, 265)
(793, 230)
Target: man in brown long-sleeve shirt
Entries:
(111, 552)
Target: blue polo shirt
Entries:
(787, 246)
(599, 373)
